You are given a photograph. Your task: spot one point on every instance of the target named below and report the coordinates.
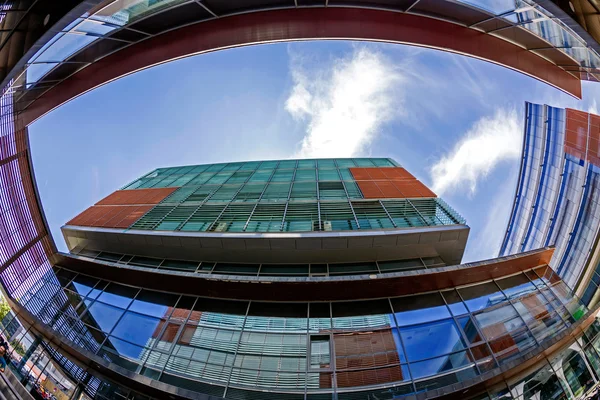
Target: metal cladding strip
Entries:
(304, 24)
(308, 289)
(519, 189)
(547, 132)
(87, 360)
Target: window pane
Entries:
(481, 296)
(431, 340)
(417, 309)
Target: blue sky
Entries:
(453, 121)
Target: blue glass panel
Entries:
(431, 340)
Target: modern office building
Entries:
(297, 279)
(104, 324)
(557, 196)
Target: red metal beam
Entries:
(304, 24)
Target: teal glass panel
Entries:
(226, 193)
(371, 215)
(215, 167)
(283, 175)
(305, 175)
(329, 175)
(234, 218)
(201, 178)
(219, 178)
(326, 163)
(250, 192)
(331, 190)
(353, 190)
(266, 218)
(250, 166)
(287, 164)
(304, 190)
(276, 191)
(269, 164)
(307, 164)
(240, 177)
(203, 217)
(364, 162)
(346, 174)
(337, 216)
(301, 217)
(345, 162)
(262, 175)
(232, 166)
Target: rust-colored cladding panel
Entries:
(369, 190)
(388, 189)
(137, 196)
(389, 183)
(576, 133)
(376, 173)
(131, 217)
(110, 216)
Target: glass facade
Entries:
(381, 348)
(557, 194)
(276, 196)
(112, 26)
(352, 350)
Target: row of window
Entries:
(156, 180)
(204, 267)
(299, 216)
(253, 191)
(427, 341)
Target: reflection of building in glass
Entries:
(557, 194)
(299, 279)
(292, 284)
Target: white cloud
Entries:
(344, 105)
(487, 239)
(488, 142)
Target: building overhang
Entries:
(447, 242)
(309, 288)
(442, 25)
(467, 388)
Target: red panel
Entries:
(131, 216)
(408, 189)
(110, 216)
(304, 24)
(360, 174)
(388, 189)
(389, 183)
(137, 196)
(369, 190)
(376, 173)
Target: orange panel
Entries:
(137, 196)
(132, 216)
(369, 190)
(408, 189)
(576, 133)
(110, 216)
(424, 190)
(388, 189)
(360, 174)
(389, 183)
(398, 173)
(376, 173)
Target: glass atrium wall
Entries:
(356, 349)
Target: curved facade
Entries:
(353, 310)
(557, 194)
